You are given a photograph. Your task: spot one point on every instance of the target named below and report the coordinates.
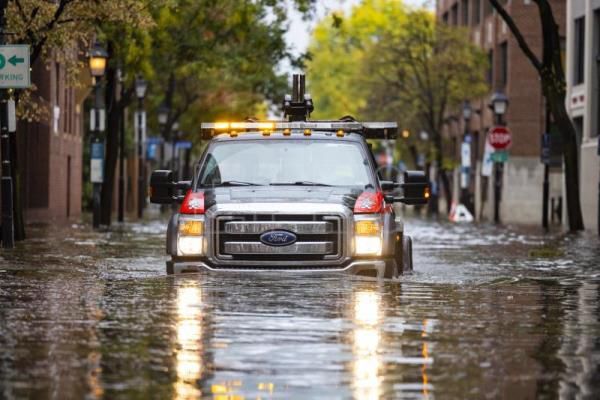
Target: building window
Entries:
(490, 71)
(476, 12)
(503, 64)
(464, 7)
(579, 51)
(445, 18)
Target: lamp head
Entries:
(97, 60)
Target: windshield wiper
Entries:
(236, 183)
(299, 183)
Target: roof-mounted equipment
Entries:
(298, 105)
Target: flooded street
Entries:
(488, 313)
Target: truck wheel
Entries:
(170, 270)
(407, 255)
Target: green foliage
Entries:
(63, 30)
(390, 62)
(216, 59)
(419, 72)
(211, 58)
(338, 49)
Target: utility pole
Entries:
(8, 229)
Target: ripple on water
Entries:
(92, 314)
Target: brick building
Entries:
(50, 150)
(511, 73)
(583, 97)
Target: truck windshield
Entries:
(285, 162)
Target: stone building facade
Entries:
(510, 73)
(583, 97)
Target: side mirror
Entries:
(415, 188)
(162, 188)
(388, 186)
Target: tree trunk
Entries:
(442, 180)
(569, 137)
(113, 111)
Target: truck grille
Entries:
(319, 239)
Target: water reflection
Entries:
(365, 345)
(83, 322)
(426, 359)
(189, 341)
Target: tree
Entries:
(418, 73)
(385, 61)
(58, 29)
(203, 59)
(337, 51)
(552, 76)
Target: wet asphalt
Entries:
(488, 313)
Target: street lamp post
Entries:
(140, 90)
(97, 63)
(466, 157)
(163, 118)
(174, 137)
(498, 104)
(121, 206)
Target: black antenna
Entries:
(299, 105)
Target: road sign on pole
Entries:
(499, 156)
(14, 66)
(500, 137)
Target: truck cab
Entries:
(294, 196)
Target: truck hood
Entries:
(282, 194)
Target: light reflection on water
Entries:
(189, 342)
(366, 379)
(94, 316)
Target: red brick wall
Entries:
(51, 162)
(526, 108)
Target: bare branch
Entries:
(517, 34)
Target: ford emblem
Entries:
(278, 238)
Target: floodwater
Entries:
(488, 313)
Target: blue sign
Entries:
(183, 144)
(97, 150)
(151, 151)
(551, 151)
(155, 140)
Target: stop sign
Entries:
(499, 137)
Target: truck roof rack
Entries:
(369, 130)
(297, 109)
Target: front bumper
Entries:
(374, 268)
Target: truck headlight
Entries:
(190, 239)
(367, 245)
(367, 236)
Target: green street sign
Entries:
(14, 67)
(14, 60)
(499, 156)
